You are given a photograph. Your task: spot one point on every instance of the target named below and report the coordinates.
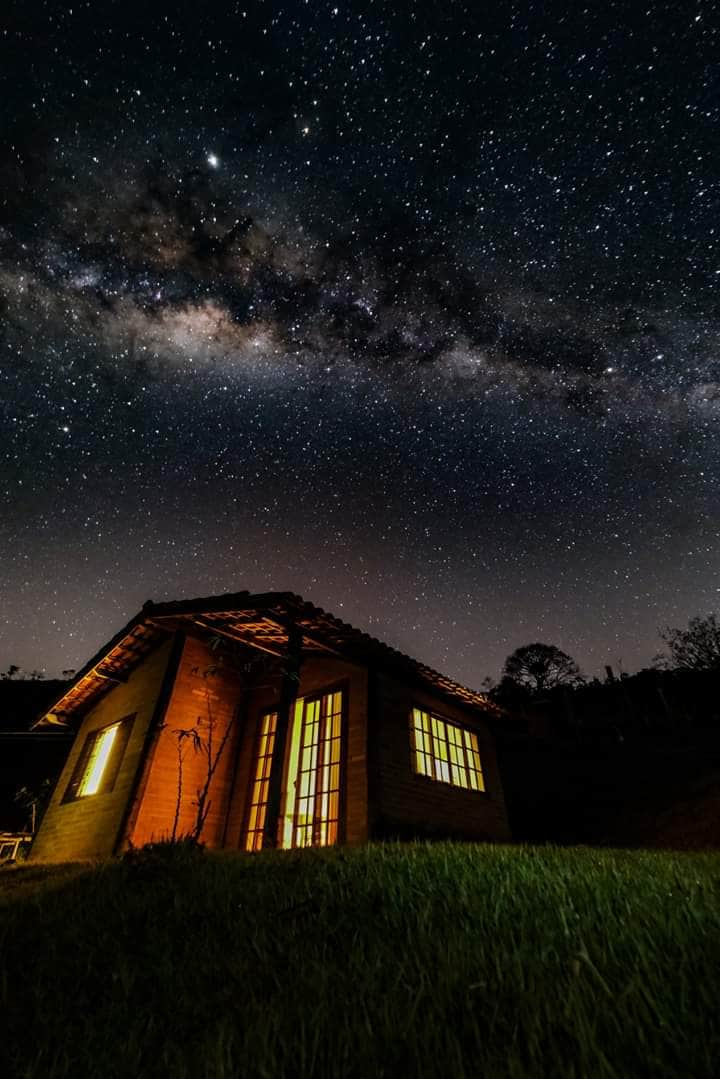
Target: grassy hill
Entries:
(443, 960)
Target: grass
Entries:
(423, 960)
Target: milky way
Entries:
(411, 311)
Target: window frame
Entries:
(416, 752)
(343, 688)
(112, 765)
(269, 738)
(316, 696)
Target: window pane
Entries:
(311, 808)
(445, 751)
(315, 776)
(97, 762)
(261, 781)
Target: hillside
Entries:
(27, 758)
(391, 960)
(652, 789)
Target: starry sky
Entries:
(409, 308)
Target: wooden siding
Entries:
(201, 690)
(88, 827)
(317, 673)
(383, 796)
(404, 804)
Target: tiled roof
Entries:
(260, 621)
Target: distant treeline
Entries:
(652, 700)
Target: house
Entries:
(260, 721)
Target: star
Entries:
(433, 362)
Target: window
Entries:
(261, 781)
(311, 814)
(99, 762)
(446, 752)
(310, 807)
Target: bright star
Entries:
(213, 161)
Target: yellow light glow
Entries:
(290, 792)
(97, 762)
(261, 782)
(310, 806)
(446, 752)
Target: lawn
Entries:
(415, 960)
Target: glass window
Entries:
(97, 761)
(310, 813)
(261, 781)
(444, 751)
(97, 766)
(312, 804)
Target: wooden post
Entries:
(288, 692)
(150, 742)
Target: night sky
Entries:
(410, 309)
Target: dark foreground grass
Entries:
(444, 960)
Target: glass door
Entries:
(311, 810)
(310, 807)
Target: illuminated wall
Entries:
(428, 776)
(203, 693)
(88, 827)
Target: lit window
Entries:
(261, 782)
(97, 766)
(445, 752)
(310, 813)
(98, 761)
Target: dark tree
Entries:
(540, 667)
(696, 648)
(18, 674)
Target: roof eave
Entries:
(286, 606)
(54, 716)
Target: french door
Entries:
(310, 807)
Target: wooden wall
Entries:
(88, 827)
(317, 673)
(202, 691)
(404, 804)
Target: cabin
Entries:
(261, 721)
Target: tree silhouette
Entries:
(696, 648)
(540, 667)
(14, 672)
